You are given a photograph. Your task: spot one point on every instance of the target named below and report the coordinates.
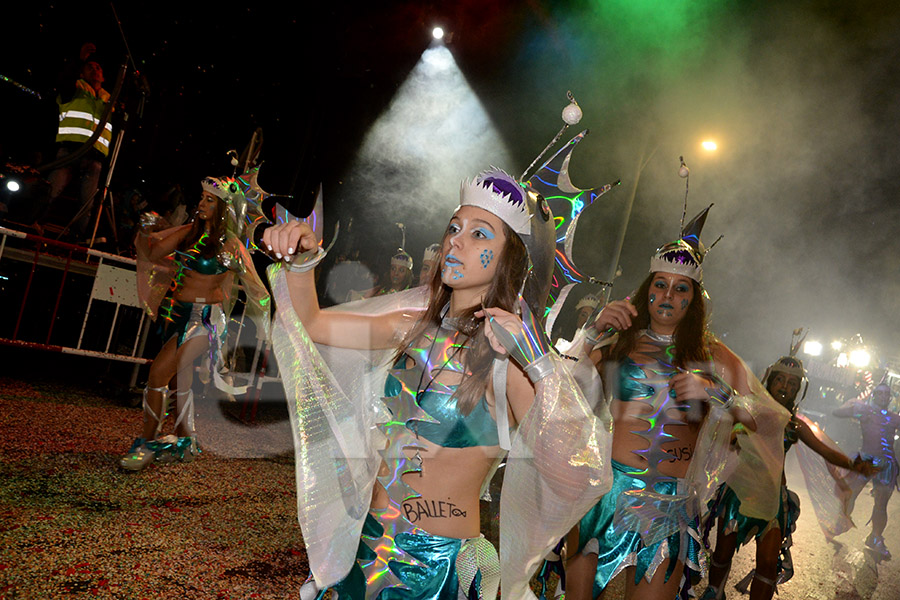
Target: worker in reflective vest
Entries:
(79, 117)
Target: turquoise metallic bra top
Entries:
(205, 266)
(633, 386)
(453, 429)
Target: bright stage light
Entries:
(709, 145)
(812, 348)
(860, 358)
(438, 33)
(435, 133)
(836, 345)
(12, 185)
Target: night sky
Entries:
(802, 98)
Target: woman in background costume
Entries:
(188, 279)
(783, 380)
(674, 392)
(879, 427)
(390, 473)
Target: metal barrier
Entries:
(112, 278)
(43, 253)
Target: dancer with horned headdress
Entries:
(390, 472)
(674, 392)
(188, 277)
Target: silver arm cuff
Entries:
(540, 368)
(721, 394)
(306, 261)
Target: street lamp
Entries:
(812, 348)
(860, 358)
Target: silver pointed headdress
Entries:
(685, 255)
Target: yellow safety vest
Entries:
(79, 118)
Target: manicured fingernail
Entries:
(269, 247)
(278, 255)
(290, 250)
(288, 258)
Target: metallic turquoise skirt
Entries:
(435, 579)
(602, 532)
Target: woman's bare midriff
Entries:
(205, 289)
(625, 443)
(449, 487)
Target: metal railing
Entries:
(26, 258)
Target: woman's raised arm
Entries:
(165, 242)
(341, 329)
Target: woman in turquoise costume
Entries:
(783, 379)
(674, 392)
(187, 280)
(390, 474)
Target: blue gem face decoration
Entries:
(652, 298)
(486, 257)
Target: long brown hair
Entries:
(692, 338)
(503, 293)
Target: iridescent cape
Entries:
(155, 278)
(556, 470)
(832, 490)
(751, 463)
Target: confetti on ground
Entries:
(73, 525)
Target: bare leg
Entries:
(161, 371)
(657, 588)
(580, 572)
(720, 565)
(768, 548)
(882, 494)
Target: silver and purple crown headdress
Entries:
(402, 259)
(431, 253)
(587, 301)
(525, 212)
(683, 256)
(523, 205)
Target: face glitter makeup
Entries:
(486, 257)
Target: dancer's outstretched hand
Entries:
(865, 467)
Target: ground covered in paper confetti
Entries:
(73, 525)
